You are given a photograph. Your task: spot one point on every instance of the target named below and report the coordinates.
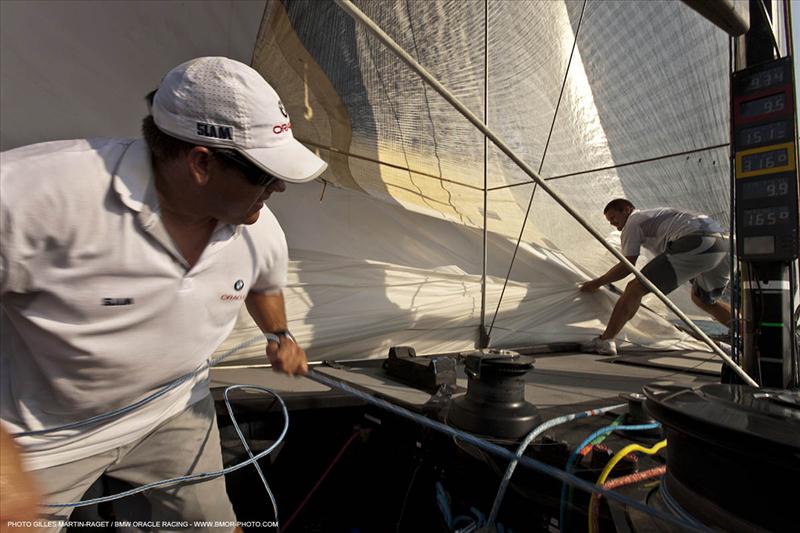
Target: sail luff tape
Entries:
(349, 8)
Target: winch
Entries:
(494, 404)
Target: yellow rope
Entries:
(613, 462)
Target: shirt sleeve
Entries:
(631, 238)
(14, 274)
(273, 259)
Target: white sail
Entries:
(390, 249)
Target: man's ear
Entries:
(198, 159)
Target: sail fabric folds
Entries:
(391, 253)
(604, 98)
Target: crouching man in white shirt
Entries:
(688, 247)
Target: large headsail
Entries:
(572, 87)
(605, 98)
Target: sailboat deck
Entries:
(558, 380)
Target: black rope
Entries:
(541, 163)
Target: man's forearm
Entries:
(268, 311)
(615, 273)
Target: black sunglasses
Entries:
(252, 173)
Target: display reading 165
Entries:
(768, 216)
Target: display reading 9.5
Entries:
(770, 188)
(768, 216)
(763, 106)
(771, 133)
(765, 160)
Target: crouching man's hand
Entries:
(591, 286)
(287, 357)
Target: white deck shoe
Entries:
(601, 346)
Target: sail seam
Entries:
(611, 167)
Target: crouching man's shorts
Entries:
(699, 258)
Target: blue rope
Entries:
(576, 454)
(485, 445)
(501, 491)
(565, 476)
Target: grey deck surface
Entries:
(557, 379)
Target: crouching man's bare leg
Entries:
(719, 310)
(625, 309)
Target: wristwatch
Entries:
(284, 333)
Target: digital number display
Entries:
(764, 160)
(763, 106)
(765, 79)
(768, 216)
(771, 133)
(765, 188)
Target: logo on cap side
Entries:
(215, 131)
(282, 109)
(282, 128)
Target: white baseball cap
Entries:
(216, 101)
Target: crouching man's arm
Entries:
(615, 273)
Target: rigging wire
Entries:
(483, 334)
(620, 165)
(768, 19)
(541, 164)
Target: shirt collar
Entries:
(134, 182)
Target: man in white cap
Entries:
(124, 265)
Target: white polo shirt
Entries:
(99, 309)
(653, 229)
